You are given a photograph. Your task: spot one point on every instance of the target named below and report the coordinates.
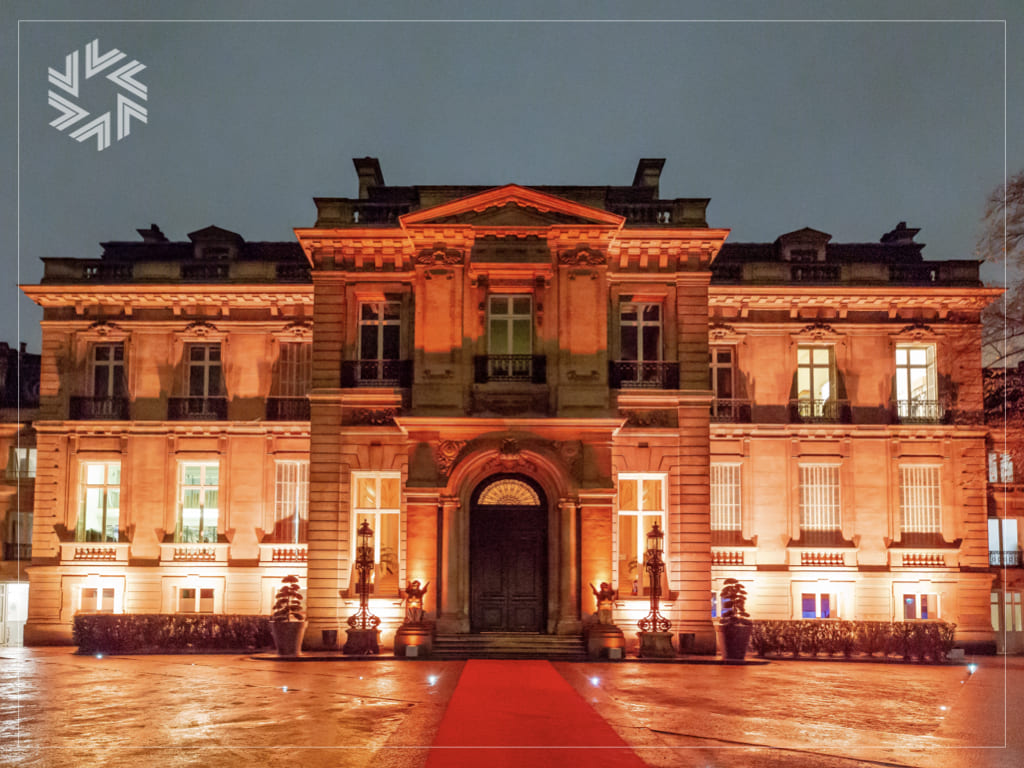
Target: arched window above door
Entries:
(509, 492)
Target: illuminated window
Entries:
(994, 607)
(815, 379)
(916, 396)
(108, 376)
(292, 373)
(1012, 612)
(291, 501)
(195, 600)
(100, 506)
(21, 463)
(509, 492)
(198, 506)
(97, 600)
(641, 504)
(920, 606)
(640, 331)
(819, 605)
(204, 370)
(510, 338)
(716, 606)
(919, 500)
(1003, 544)
(725, 497)
(377, 498)
(1000, 467)
(819, 497)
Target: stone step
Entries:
(494, 645)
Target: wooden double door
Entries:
(508, 566)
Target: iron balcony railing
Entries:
(730, 410)
(527, 369)
(814, 273)
(15, 551)
(197, 408)
(376, 373)
(1004, 559)
(918, 411)
(90, 408)
(637, 374)
(829, 411)
(287, 409)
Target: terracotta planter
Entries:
(288, 636)
(734, 639)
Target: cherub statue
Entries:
(414, 601)
(606, 598)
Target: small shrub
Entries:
(921, 640)
(140, 632)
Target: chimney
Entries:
(901, 235)
(648, 173)
(152, 235)
(368, 170)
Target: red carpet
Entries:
(515, 713)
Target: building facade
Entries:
(512, 385)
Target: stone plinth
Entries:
(602, 639)
(656, 645)
(362, 642)
(414, 640)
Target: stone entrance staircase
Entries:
(510, 645)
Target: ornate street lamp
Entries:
(655, 639)
(362, 631)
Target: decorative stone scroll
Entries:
(439, 255)
(650, 418)
(582, 256)
(447, 455)
(374, 417)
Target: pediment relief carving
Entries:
(439, 254)
(817, 331)
(917, 331)
(102, 330)
(582, 255)
(718, 332)
(200, 330)
(295, 331)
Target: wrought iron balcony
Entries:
(918, 411)
(287, 409)
(730, 410)
(637, 374)
(527, 369)
(15, 551)
(197, 408)
(1004, 559)
(829, 411)
(203, 272)
(376, 373)
(109, 408)
(814, 273)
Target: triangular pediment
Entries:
(512, 205)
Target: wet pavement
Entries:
(58, 709)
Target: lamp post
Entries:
(655, 639)
(362, 631)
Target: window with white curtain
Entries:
(819, 497)
(920, 511)
(725, 497)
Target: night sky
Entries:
(847, 127)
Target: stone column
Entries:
(569, 600)
(449, 618)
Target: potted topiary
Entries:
(288, 621)
(735, 626)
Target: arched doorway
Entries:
(508, 531)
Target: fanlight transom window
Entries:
(509, 492)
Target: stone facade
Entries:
(512, 384)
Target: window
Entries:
(1003, 545)
(725, 497)
(294, 363)
(377, 499)
(291, 501)
(108, 379)
(100, 502)
(380, 329)
(919, 500)
(195, 600)
(819, 497)
(1012, 612)
(641, 504)
(722, 375)
(815, 381)
(1000, 467)
(920, 606)
(21, 463)
(198, 507)
(97, 600)
(640, 343)
(819, 605)
(916, 397)
(715, 607)
(204, 372)
(510, 337)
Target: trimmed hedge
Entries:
(920, 640)
(169, 633)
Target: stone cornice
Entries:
(175, 296)
(890, 299)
